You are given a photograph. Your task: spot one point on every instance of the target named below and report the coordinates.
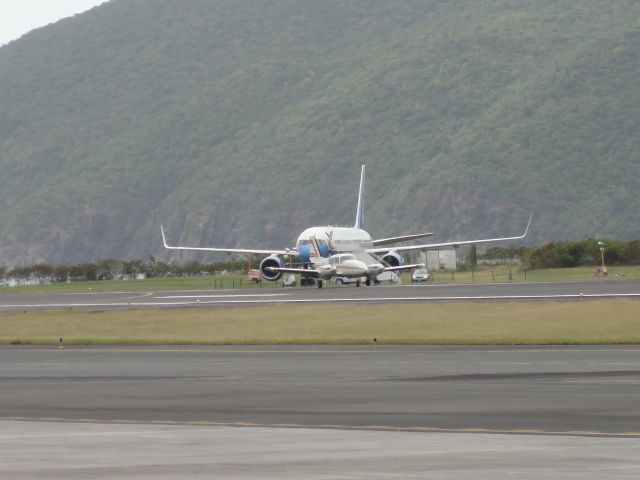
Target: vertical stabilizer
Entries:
(360, 201)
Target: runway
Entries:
(534, 389)
(527, 291)
(373, 411)
(320, 412)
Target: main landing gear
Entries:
(309, 282)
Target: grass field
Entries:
(486, 274)
(579, 322)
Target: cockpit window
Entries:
(337, 259)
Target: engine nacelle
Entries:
(272, 261)
(394, 259)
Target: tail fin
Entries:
(360, 201)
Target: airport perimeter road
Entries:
(380, 294)
(578, 390)
(320, 412)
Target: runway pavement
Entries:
(543, 389)
(381, 294)
(320, 412)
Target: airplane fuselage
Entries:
(330, 241)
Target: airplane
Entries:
(327, 252)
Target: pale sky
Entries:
(18, 17)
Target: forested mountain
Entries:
(241, 122)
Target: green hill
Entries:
(241, 122)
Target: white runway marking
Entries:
(269, 301)
(176, 297)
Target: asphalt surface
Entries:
(584, 390)
(320, 412)
(527, 291)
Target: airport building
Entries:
(444, 259)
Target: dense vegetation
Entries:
(241, 122)
(570, 254)
(112, 269)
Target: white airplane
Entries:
(327, 252)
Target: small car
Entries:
(420, 275)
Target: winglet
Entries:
(528, 225)
(358, 223)
(164, 239)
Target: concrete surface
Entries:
(42, 450)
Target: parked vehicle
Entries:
(253, 275)
(420, 275)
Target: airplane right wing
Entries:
(404, 267)
(402, 238)
(431, 246)
(226, 250)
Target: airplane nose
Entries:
(356, 266)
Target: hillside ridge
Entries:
(240, 123)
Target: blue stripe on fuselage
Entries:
(304, 253)
(324, 250)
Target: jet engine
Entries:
(393, 259)
(271, 261)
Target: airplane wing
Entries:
(432, 246)
(404, 267)
(226, 250)
(305, 272)
(402, 238)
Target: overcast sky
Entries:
(18, 17)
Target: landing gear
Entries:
(357, 282)
(319, 283)
(367, 282)
(307, 282)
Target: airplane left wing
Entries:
(432, 246)
(305, 272)
(226, 250)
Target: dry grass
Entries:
(586, 322)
